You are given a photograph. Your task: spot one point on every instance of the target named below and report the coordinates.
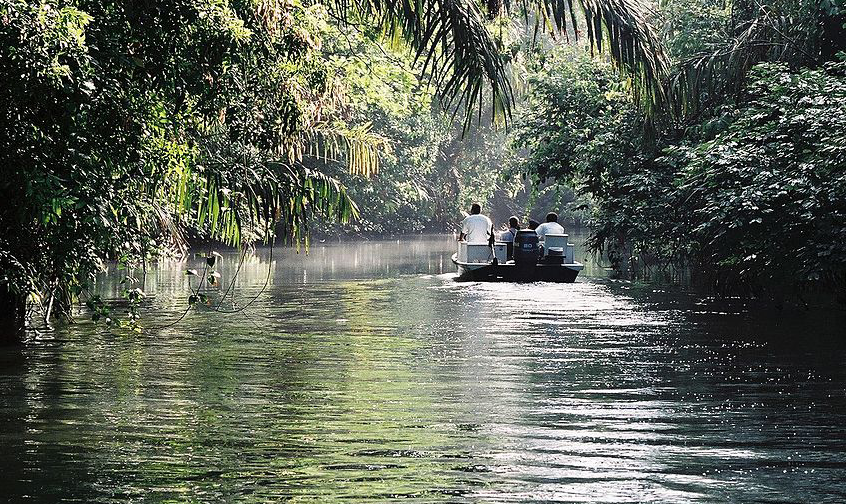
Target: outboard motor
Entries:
(526, 247)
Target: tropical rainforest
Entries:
(696, 137)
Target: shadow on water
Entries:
(363, 371)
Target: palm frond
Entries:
(327, 196)
(238, 195)
(452, 45)
(770, 33)
(357, 146)
(303, 194)
(620, 28)
(632, 43)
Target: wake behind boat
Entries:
(554, 262)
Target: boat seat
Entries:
(554, 241)
(474, 252)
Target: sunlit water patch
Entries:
(364, 372)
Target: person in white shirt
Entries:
(513, 227)
(476, 228)
(551, 226)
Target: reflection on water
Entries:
(363, 371)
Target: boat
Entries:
(554, 262)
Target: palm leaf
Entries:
(238, 195)
(456, 49)
(620, 28)
(452, 45)
(357, 146)
(777, 31)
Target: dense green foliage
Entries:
(430, 169)
(580, 128)
(764, 203)
(386, 98)
(129, 128)
(126, 125)
(746, 195)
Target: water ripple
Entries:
(366, 373)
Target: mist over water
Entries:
(363, 371)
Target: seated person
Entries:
(509, 235)
(476, 228)
(513, 227)
(551, 226)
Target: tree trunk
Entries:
(12, 314)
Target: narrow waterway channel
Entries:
(364, 372)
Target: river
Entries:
(363, 371)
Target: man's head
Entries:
(552, 217)
(513, 222)
(475, 209)
(533, 224)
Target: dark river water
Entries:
(363, 371)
